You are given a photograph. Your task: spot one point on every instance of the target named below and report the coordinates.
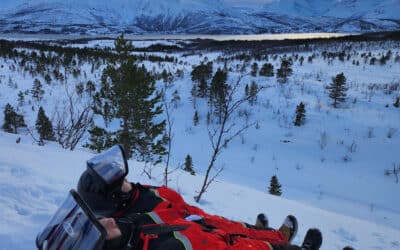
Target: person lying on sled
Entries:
(75, 227)
(185, 235)
(104, 188)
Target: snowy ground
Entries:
(35, 180)
(335, 162)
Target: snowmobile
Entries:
(74, 226)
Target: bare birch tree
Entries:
(72, 121)
(168, 136)
(222, 133)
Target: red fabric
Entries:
(146, 238)
(233, 234)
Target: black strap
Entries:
(161, 229)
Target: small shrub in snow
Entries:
(352, 148)
(395, 171)
(275, 186)
(21, 98)
(391, 133)
(300, 114)
(346, 158)
(195, 118)
(242, 140)
(370, 132)
(189, 165)
(301, 60)
(323, 140)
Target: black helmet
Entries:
(100, 184)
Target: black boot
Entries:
(261, 221)
(289, 227)
(313, 240)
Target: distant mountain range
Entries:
(103, 17)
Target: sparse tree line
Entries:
(128, 96)
(301, 45)
(56, 63)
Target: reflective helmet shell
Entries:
(94, 193)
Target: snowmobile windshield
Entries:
(111, 166)
(72, 227)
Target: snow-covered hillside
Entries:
(197, 17)
(35, 180)
(336, 161)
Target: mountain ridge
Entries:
(197, 17)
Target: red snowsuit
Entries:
(212, 232)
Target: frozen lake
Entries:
(256, 37)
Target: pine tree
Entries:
(301, 60)
(200, 75)
(189, 165)
(300, 114)
(90, 88)
(218, 90)
(175, 99)
(47, 78)
(128, 94)
(21, 98)
(253, 93)
(44, 126)
(337, 89)
(196, 118)
(12, 120)
(267, 70)
(275, 186)
(99, 139)
(37, 91)
(284, 71)
(254, 69)
(246, 90)
(79, 88)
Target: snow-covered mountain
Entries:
(197, 17)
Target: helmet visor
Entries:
(110, 166)
(72, 227)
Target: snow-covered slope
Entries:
(335, 162)
(35, 180)
(198, 17)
